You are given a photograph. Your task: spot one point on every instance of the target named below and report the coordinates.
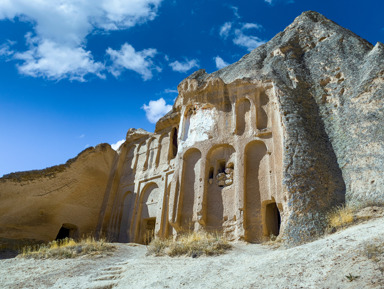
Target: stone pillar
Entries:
(201, 195)
(239, 180)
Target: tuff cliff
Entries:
(35, 205)
(267, 145)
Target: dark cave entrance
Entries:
(67, 231)
(273, 219)
(149, 230)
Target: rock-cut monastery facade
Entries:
(214, 165)
(266, 146)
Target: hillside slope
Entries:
(324, 263)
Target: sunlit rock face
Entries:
(266, 146)
(36, 205)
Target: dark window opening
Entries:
(221, 166)
(174, 143)
(273, 219)
(210, 176)
(66, 231)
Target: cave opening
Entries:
(67, 231)
(273, 219)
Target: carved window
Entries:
(220, 166)
(174, 144)
(210, 176)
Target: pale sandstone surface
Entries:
(35, 204)
(321, 264)
(270, 120)
(266, 146)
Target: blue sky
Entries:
(75, 73)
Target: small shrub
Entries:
(351, 277)
(345, 215)
(66, 248)
(340, 217)
(192, 244)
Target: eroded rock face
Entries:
(37, 204)
(265, 146)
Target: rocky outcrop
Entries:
(36, 205)
(266, 146)
(342, 75)
(329, 88)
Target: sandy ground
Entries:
(320, 264)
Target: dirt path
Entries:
(321, 264)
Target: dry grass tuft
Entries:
(341, 217)
(67, 248)
(192, 244)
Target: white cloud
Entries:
(237, 31)
(220, 63)
(156, 109)
(167, 90)
(272, 2)
(225, 29)
(119, 14)
(252, 26)
(235, 11)
(116, 145)
(60, 29)
(5, 49)
(248, 41)
(82, 136)
(138, 61)
(53, 61)
(184, 66)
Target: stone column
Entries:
(201, 194)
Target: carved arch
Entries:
(243, 116)
(190, 185)
(255, 184)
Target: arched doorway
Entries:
(220, 192)
(272, 220)
(255, 183)
(127, 207)
(190, 186)
(148, 212)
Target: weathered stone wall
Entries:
(267, 145)
(231, 128)
(214, 163)
(135, 205)
(330, 85)
(35, 205)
